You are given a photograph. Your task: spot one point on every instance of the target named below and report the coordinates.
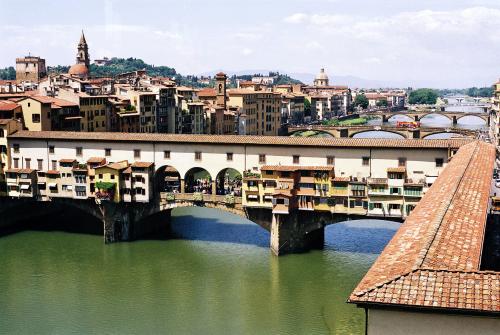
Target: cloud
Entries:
(246, 51)
(296, 18)
(247, 36)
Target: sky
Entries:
(434, 43)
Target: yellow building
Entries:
(262, 110)
(108, 181)
(7, 127)
(92, 109)
(36, 112)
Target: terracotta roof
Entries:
(67, 160)
(78, 70)
(116, 166)
(96, 160)
(342, 179)
(278, 168)
(12, 170)
(207, 92)
(400, 169)
(142, 164)
(7, 105)
(306, 179)
(419, 144)
(52, 172)
(433, 260)
(128, 170)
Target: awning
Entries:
(251, 196)
(53, 185)
(268, 197)
(25, 187)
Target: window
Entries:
(16, 148)
(100, 176)
(296, 159)
(1, 133)
(51, 149)
(402, 161)
(229, 156)
(79, 151)
(197, 156)
(137, 153)
(40, 164)
(54, 165)
(262, 159)
(113, 176)
(366, 161)
(27, 162)
(439, 162)
(107, 152)
(16, 163)
(330, 160)
(166, 154)
(395, 190)
(35, 118)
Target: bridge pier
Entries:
(125, 222)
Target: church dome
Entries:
(78, 70)
(322, 75)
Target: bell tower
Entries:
(82, 56)
(220, 88)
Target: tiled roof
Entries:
(67, 160)
(207, 92)
(7, 105)
(52, 172)
(142, 164)
(342, 179)
(239, 139)
(96, 160)
(25, 171)
(433, 260)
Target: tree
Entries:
(382, 103)
(361, 100)
(9, 73)
(424, 96)
(307, 107)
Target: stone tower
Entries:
(82, 57)
(220, 88)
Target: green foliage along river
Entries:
(217, 277)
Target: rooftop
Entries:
(433, 260)
(419, 144)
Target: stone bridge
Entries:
(351, 131)
(296, 232)
(419, 115)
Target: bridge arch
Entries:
(228, 181)
(167, 179)
(474, 115)
(399, 134)
(422, 116)
(435, 135)
(198, 179)
(392, 116)
(295, 132)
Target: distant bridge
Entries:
(351, 131)
(419, 115)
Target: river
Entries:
(217, 277)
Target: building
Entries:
(10, 109)
(92, 108)
(109, 181)
(327, 101)
(30, 69)
(138, 182)
(293, 108)
(262, 110)
(81, 68)
(7, 127)
(121, 116)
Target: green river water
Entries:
(217, 277)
